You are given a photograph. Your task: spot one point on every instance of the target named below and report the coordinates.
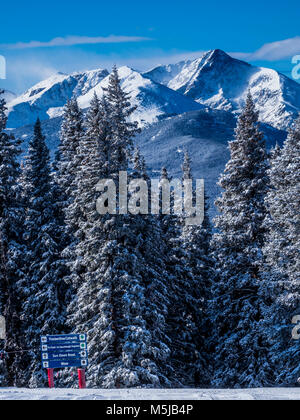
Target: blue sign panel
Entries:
(54, 339)
(65, 355)
(56, 364)
(64, 347)
(64, 351)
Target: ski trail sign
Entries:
(64, 351)
(2, 328)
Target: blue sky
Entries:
(38, 40)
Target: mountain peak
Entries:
(217, 53)
(220, 57)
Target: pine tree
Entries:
(282, 253)
(179, 278)
(66, 167)
(3, 370)
(196, 244)
(44, 303)
(68, 163)
(113, 297)
(122, 131)
(11, 251)
(240, 356)
(155, 278)
(187, 260)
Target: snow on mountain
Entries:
(215, 80)
(164, 74)
(8, 96)
(205, 135)
(197, 109)
(154, 100)
(47, 98)
(222, 82)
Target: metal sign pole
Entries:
(81, 379)
(51, 378)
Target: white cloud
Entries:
(74, 40)
(274, 51)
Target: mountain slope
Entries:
(154, 101)
(164, 74)
(205, 134)
(222, 82)
(46, 99)
(8, 96)
(215, 80)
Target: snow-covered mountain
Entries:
(192, 105)
(165, 73)
(205, 135)
(215, 80)
(154, 100)
(46, 99)
(8, 96)
(222, 82)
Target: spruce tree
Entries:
(11, 252)
(122, 131)
(240, 353)
(188, 264)
(68, 162)
(113, 298)
(66, 167)
(3, 370)
(44, 303)
(179, 279)
(196, 244)
(282, 254)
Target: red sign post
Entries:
(51, 378)
(81, 378)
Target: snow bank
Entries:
(141, 395)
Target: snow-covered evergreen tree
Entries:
(282, 252)
(240, 356)
(113, 298)
(3, 370)
(11, 251)
(44, 288)
(122, 131)
(66, 166)
(196, 244)
(68, 163)
(179, 280)
(188, 264)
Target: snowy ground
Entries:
(139, 395)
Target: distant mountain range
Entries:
(215, 80)
(222, 82)
(191, 105)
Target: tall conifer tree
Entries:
(111, 300)
(196, 244)
(240, 352)
(44, 303)
(11, 252)
(282, 253)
